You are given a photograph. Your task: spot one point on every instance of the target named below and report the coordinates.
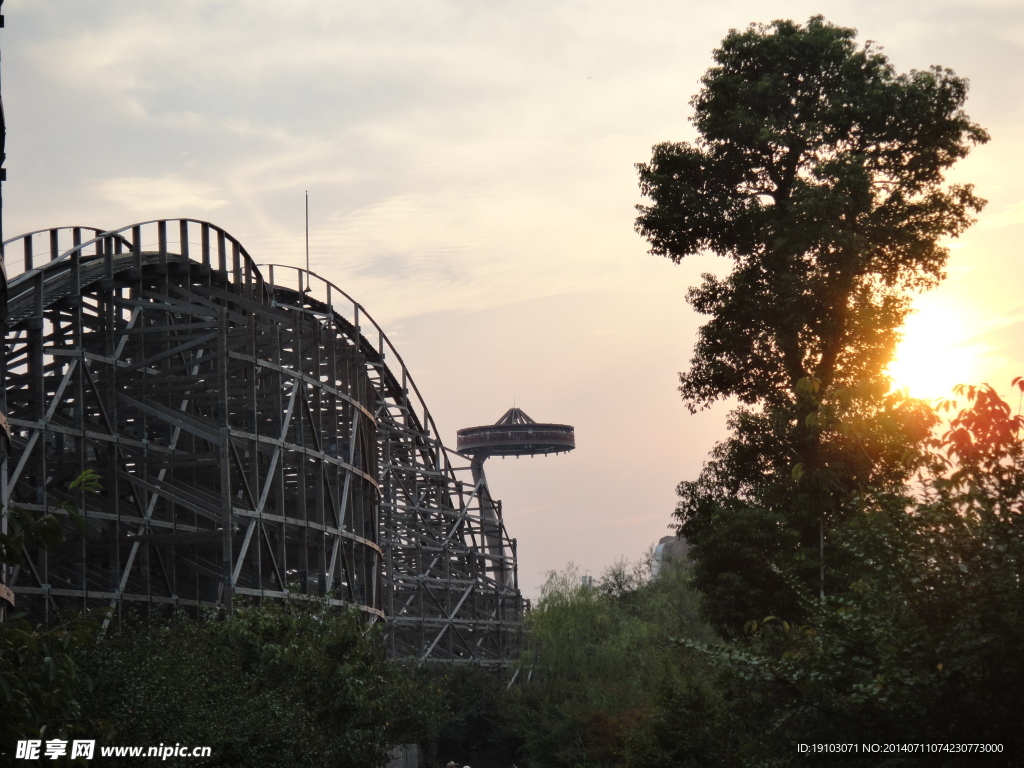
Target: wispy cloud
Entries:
(1010, 215)
(162, 196)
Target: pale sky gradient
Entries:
(470, 165)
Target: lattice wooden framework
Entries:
(450, 579)
(250, 438)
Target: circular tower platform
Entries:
(515, 434)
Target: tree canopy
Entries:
(818, 171)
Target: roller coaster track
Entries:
(257, 436)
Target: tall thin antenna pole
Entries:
(307, 231)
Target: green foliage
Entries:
(40, 683)
(276, 684)
(87, 482)
(759, 505)
(596, 654)
(25, 529)
(819, 173)
(923, 647)
(472, 724)
(47, 532)
(859, 606)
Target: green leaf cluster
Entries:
(279, 684)
(596, 654)
(41, 684)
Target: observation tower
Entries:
(515, 434)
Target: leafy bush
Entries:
(596, 655)
(276, 684)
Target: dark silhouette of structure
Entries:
(515, 434)
(256, 434)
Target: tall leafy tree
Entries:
(818, 171)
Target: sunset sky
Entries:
(470, 167)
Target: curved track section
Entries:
(450, 578)
(234, 439)
(256, 434)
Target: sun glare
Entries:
(935, 354)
